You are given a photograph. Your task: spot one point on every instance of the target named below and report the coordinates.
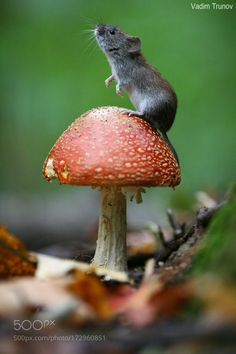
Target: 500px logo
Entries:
(27, 325)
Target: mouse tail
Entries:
(165, 136)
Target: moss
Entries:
(217, 253)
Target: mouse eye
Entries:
(112, 31)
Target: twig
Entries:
(162, 237)
(204, 216)
(177, 229)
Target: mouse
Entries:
(151, 94)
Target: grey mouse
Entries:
(151, 94)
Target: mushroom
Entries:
(118, 153)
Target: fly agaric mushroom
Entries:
(107, 148)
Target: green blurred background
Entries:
(51, 72)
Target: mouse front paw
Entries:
(118, 90)
(109, 80)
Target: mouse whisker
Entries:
(90, 45)
(88, 30)
(87, 21)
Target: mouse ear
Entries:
(134, 44)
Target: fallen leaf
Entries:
(48, 298)
(152, 301)
(120, 296)
(93, 292)
(14, 257)
(53, 267)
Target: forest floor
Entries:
(174, 299)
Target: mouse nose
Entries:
(100, 29)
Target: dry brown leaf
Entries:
(152, 301)
(18, 296)
(119, 296)
(93, 292)
(170, 300)
(138, 307)
(53, 267)
(14, 257)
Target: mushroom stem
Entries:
(111, 249)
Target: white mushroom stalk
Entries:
(111, 249)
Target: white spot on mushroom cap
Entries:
(49, 169)
(64, 174)
(128, 164)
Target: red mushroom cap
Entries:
(107, 147)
